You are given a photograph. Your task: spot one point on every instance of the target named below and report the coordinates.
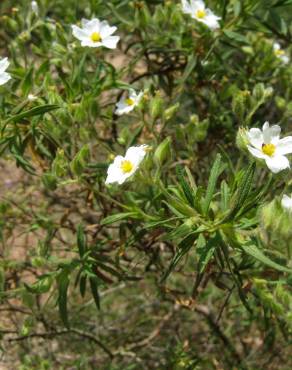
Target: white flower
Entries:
(4, 76)
(280, 53)
(95, 33)
(35, 7)
(197, 10)
(287, 203)
(124, 167)
(267, 145)
(126, 105)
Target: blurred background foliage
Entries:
(161, 273)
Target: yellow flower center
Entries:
(130, 101)
(279, 53)
(126, 166)
(268, 149)
(95, 37)
(201, 13)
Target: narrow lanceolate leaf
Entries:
(118, 217)
(243, 190)
(184, 246)
(185, 186)
(225, 195)
(63, 284)
(81, 240)
(256, 253)
(205, 252)
(82, 285)
(94, 291)
(33, 112)
(215, 173)
(180, 232)
(192, 62)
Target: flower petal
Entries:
(92, 25)
(271, 134)
(122, 107)
(84, 22)
(256, 152)
(285, 59)
(136, 154)
(287, 203)
(284, 145)
(79, 33)
(4, 77)
(106, 30)
(186, 7)
(111, 42)
(197, 5)
(211, 20)
(255, 137)
(90, 43)
(266, 125)
(4, 63)
(114, 172)
(277, 163)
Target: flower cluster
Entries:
(263, 144)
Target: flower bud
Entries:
(242, 139)
(239, 103)
(258, 91)
(156, 106)
(60, 165)
(163, 151)
(79, 162)
(170, 112)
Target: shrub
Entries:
(145, 199)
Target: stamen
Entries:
(201, 13)
(126, 166)
(130, 101)
(95, 37)
(279, 52)
(268, 149)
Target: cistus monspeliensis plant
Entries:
(145, 195)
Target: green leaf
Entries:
(225, 195)
(235, 36)
(192, 62)
(79, 162)
(256, 253)
(33, 112)
(205, 251)
(118, 217)
(241, 195)
(181, 231)
(94, 290)
(81, 240)
(185, 186)
(184, 246)
(63, 284)
(43, 285)
(215, 173)
(82, 285)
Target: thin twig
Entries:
(52, 334)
